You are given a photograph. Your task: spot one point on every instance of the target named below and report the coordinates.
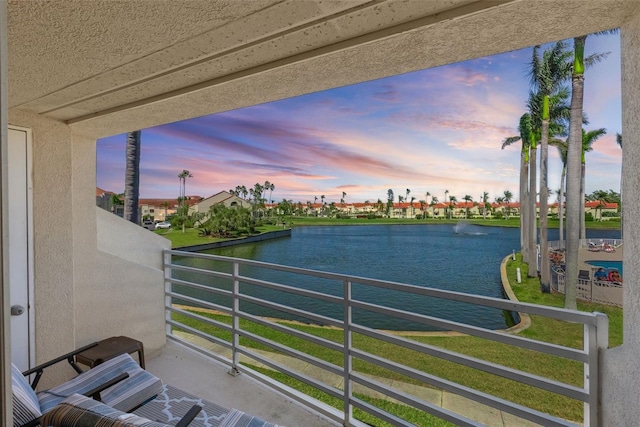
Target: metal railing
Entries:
(230, 286)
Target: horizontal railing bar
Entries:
(294, 332)
(330, 367)
(207, 289)
(302, 313)
(377, 412)
(498, 303)
(203, 335)
(553, 312)
(202, 271)
(437, 410)
(469, 393)
(553, 349)
(200, 303)
(504, 372)
(331, 391)
(206, 320)
(291, 289)
(472, 362)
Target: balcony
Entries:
(229, 338)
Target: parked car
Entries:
(163, 224)
(148, 224)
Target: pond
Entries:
(463, 258)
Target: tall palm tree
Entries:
(562, 150)
(574, 166)
(525, 130)
(446, 197)
(132, 177)
(588, 138)
(547, 74)
(412, 211)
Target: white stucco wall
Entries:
(96, 275)
(621, 365)
(129, 241)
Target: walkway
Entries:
(470, 409)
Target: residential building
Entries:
(224, 197)
(72, 72)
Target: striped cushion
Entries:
(125, 395)
(25, 402)
(79, 411)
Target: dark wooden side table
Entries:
(110, 348)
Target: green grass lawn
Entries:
(542, 329)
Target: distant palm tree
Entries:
(389, 201)
(446, 197)
(485, 198)
(452, 201)
(412, 211)
(588, 138)
(508, 196)
(423, 203)
(132, 177)
(468, 199)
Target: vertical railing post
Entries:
(348, 361)
(596, 339)
(235, 321)
(167, 291)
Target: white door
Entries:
(20, 247)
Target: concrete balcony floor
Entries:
(208, 379)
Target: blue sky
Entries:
(427, 131)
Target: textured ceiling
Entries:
(110, 66)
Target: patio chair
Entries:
(79, 410)
(120, 383)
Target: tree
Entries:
(468, 199)
(508, 196)
(547, 75)
(588, 138)
(389, 202)
(412, 211)
(485, 198)
(574, 167)
(132, 177)
(562, 150)
(182, 211)
(526, 132)
(446, 198)
(452, 201)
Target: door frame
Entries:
(30, 242)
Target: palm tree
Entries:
(322, 202)
(412, 211)
(508, 196)
(562, 150)
(434, 201)
(574, 167)
(452, 200)
(426, 199)
(446, 197)
(484, 198)
(588, 138)
(526, 131)
(271, 188)
(423, 203)
(468, 199)
(132, 177)
(389, 201)
(547, 75)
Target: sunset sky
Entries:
(433, 130)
